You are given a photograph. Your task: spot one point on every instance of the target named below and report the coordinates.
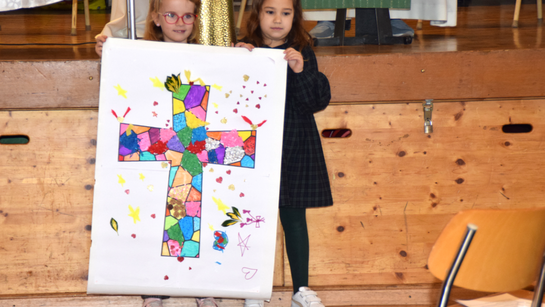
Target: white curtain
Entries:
(440, 12)
(10, 5)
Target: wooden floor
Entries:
(45, 35)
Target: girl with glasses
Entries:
(168, 21)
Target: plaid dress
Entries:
(304, 181)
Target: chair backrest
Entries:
(505, 254)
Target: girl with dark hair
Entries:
(304, 180)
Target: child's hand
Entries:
(295, 60)
(100, 42)
(250, 47)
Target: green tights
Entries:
(294, 222)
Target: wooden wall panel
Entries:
(369, 78)
(395, 187)
(49, 84)
(46, 201)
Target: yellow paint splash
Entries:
(223, 120)
(121, 91)
(217, 87)
(246, 78)
(232, 187)
(164, 164)
(150, 188)
(135, 214)
(157, 83)
(220, 204)
(121, 180)
(142, 177)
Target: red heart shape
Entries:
(241, 194)
(252, 92)
(235, 110)
(190, 268)
(244, 86)
(257, 82)
(180, 259)
(219, 180)
(246, 99)
(133, 236)
(228, 172)
(153, 216)
(258, 106)
(166, 277)
(259, 98)
(127, 191)
(155, 103)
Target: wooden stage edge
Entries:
(358, 78)
(392, 296)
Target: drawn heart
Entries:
(259, 98)
(238, 102)
(228, 172)
(252, 92)
(168, 120)
(244, 86)
(258, 106)
(133, 236)
(127, 191)
(155, 103)
(216, 112)
(249, 273)
(264, 84)
(219, 180)
(166, 277)
(153, 216)
(235, 110)
(180, 259)
(190, 268)
(241, 194)
(257, 82)
(246, 99)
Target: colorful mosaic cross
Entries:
(186, 146)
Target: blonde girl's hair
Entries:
(297, 37)
(154, 33)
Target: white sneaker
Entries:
(306, 298)
(254, 303)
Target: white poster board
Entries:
(189, 138)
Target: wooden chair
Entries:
(517, 13)
(75, 16)
(505, 254)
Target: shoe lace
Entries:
(310, 296)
